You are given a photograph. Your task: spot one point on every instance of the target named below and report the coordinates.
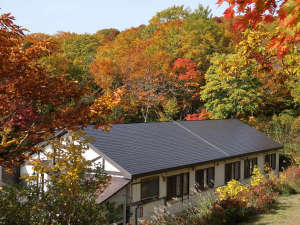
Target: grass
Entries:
(285, 212)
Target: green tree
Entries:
(173, 13)
(231, 90)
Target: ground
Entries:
(286, 212)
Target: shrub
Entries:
(232, 191)
(288, 181)
(235, 201)
(68, 196)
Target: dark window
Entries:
(249, 165)
(232, 171)
(178, 185)
(200, 179)
(208, 180)
(150, 188)
(210, 177)
(270, 160)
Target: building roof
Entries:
(143, 148)
(114, 186)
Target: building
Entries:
(153, 164)
(161, 161)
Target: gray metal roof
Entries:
(142, 148)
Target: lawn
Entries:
(285, 212)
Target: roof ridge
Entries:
(201, 138)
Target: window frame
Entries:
(205, 183)
(249, 165)
(177, 181)
(270, 160)
(147, 181)
(232, 166)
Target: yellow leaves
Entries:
(234, 190)
(62, 163)
(257, 178)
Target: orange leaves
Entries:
(229, 12)
(285, 12)
(201, 116)
(35, 103)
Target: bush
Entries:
(68, 195)
(235, 201)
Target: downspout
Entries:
(125, 208)
(136, 219)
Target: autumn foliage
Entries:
(35, 104)
(201, 116)
(170, 69)
(286, 13)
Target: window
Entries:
(232, 171)
(178, 185)
(210, 178)
(200, 179)
(270, 160)
(150, 188)
(249, 165)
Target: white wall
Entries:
(91, 154)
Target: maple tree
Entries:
(286, 13)
(35, 105)
(201, 116)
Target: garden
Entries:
(236, 202)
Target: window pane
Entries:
(149, 188)
(270, 161)
(267, 160)
(178, 185)
(273, 161)
(185, 183)
(228, 172)
(171, 187)
(200, 179)
(236, 170)
(239, 170)
(210, 177)
(249, 165)
(246, 168)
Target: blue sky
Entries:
(88, 16)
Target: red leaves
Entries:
(186, 69)
(229, 12)
(201, 116)
(286, 12)
(268, 19)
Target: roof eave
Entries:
(134, 176)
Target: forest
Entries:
(183, 65)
